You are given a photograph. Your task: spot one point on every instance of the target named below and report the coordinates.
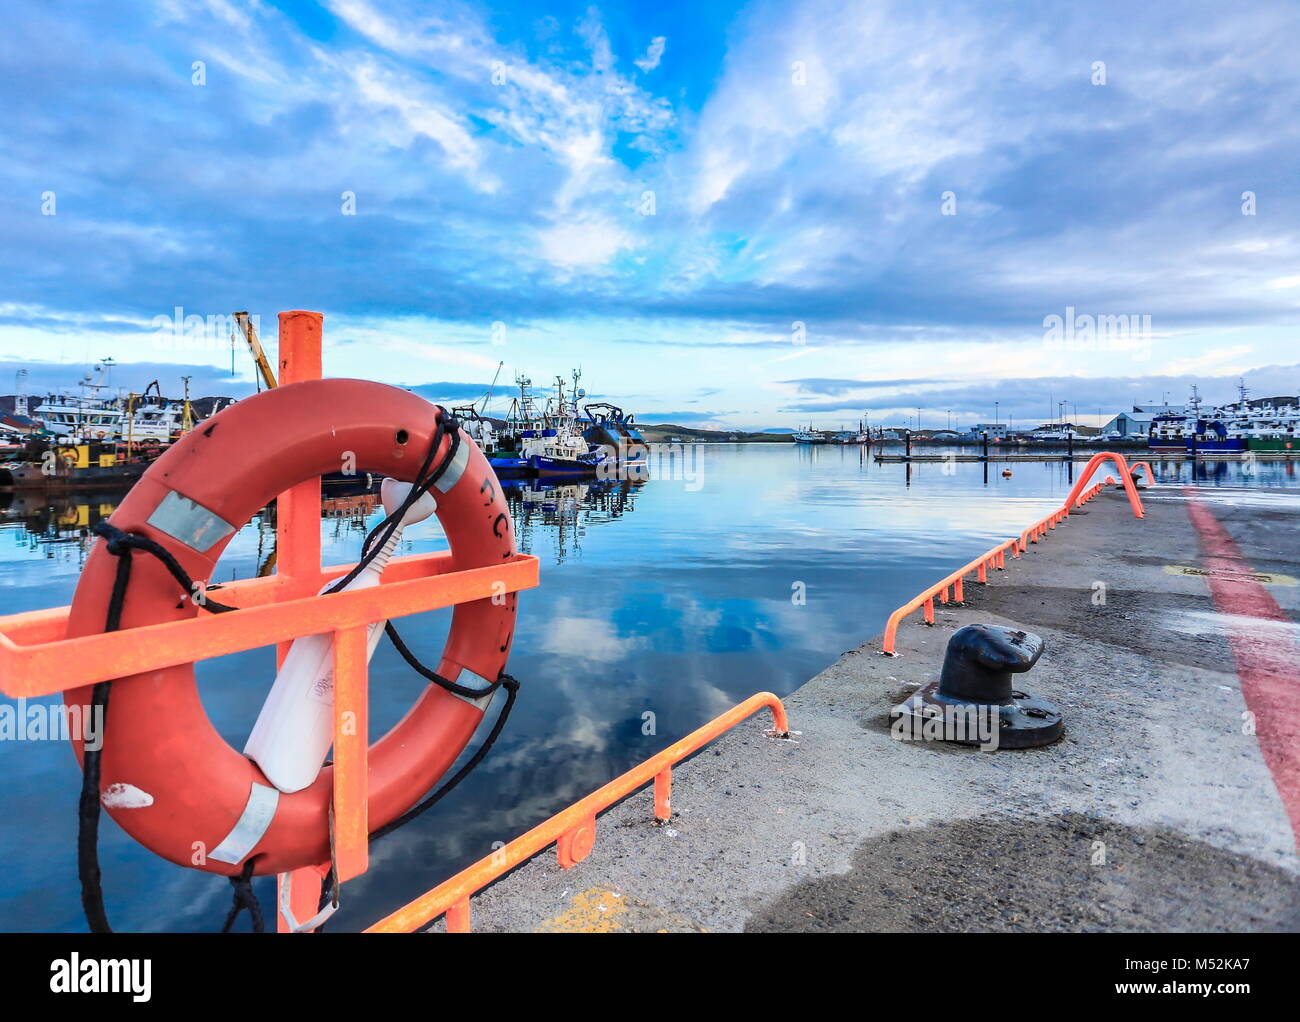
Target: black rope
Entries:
(512, 690)
(121, 545)
(244, 898)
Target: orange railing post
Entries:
(298, 546)
(351, 753)
(297, 511)
(664, 795)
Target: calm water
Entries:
(674, 597)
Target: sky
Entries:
(736, 215)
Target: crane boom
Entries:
(255, 346)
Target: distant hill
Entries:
(659, 432)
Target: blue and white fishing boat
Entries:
(544, 442)
(613, 434)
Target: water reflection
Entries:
(565, 510)
(677, 611)
(58, 525)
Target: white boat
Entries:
(1053, 436)
(81, 419)
(478, 428)
(808, 436)
(158, 421)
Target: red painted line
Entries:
(1266, 657)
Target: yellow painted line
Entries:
(1241, 576)
(597, 910)
(601, 910)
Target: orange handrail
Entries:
(996, 557)
(36, 660)
(1051, 521)
(1121, 467)
(573, 830)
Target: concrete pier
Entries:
(1171, 803)
(1084, 455)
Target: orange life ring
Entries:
(191, 791)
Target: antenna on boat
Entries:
(487, 398)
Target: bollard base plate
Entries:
(1026, 722)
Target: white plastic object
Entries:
(295, 728)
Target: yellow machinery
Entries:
(265, 373)
(187, 410)
(79, 456)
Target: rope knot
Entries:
(118, 542)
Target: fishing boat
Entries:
(1273, 428)
(477, 427)
(544, 441)
(1167, 432)
(81, 419)
(861, 437)
(559, 449)
(809, 436)
(612, 433)
(1271, 424)
(61, 465)
(153, 419)
(1211, 436)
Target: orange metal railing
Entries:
(996, 557)
(572, 831)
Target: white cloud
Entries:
(590, 636)
(653, 54)
(584, 242)
(421, 114)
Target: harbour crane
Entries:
(264, 370)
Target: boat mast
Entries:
(487, 398)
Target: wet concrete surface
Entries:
(844, 827)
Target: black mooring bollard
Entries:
(974, 689)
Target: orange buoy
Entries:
(167, 776)
(1006, 473)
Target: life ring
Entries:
(189, 791)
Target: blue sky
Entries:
(751, 215)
